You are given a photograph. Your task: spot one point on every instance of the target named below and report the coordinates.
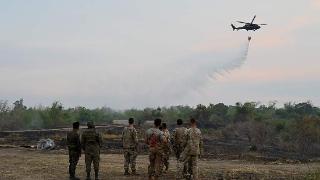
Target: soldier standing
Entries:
(177, 138)
(154, 138)
(130, 144)
(165, 147)
(193, 149)
(74, 147)
(91, 142)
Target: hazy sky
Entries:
(137, 53)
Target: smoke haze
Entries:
(133, 54)
(121, 83)
(166, 82)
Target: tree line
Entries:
(293, 126)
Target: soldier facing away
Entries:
(74, 148)
(91, 142)
(130, 147)
(177, 138)
(166, 149)
(193, 149)
(154, 138)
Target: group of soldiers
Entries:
(186, 143)
(90, 143)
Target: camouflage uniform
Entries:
(193, 148)
(165, 148)
(74, 147)
(154, 138)
(130, 143)
(177, 140)
(91, 142)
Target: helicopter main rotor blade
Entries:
(253, 19)
(263, 24)
(241, 22)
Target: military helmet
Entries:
(76, 125)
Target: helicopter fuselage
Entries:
(249, 27)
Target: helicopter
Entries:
(248, 26)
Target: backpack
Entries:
(193, 141)
(154, 139)
(180, 133)
(128, 138)
(92, 138)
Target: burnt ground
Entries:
(31, 164)
(224, 158)
(214, 147)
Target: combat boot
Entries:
(73, 177)
(88, 176)
(72, 174)
(134, 172)
(126, 172)
(96, 175)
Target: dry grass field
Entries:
(28, 164)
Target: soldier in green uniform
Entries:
(91, 142)
(193, 148)
(154, 138)
(130, 144)
(74, 147)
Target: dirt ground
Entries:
(28, 164)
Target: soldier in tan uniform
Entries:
(130, 143)
(91, 142)
(154, 138)
(177, 138)
(166, 149)
(193, 149)
(177, 141)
